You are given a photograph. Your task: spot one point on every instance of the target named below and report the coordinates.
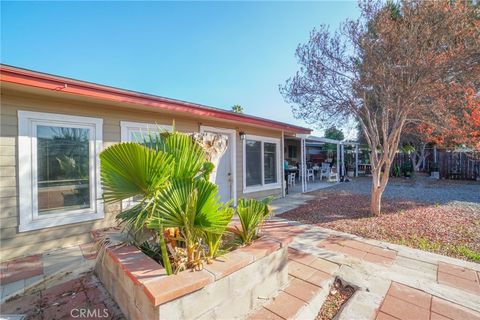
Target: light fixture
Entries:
(243, 135)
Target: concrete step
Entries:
(310, 280)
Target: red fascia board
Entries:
(66, 85)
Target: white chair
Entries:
(325, 171)
(300, 170)
(310, 174)
(333, 174)
(291, 179)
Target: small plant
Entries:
(407, 169)
(193, 207)
(397, 172)
(252, 213)
(151, 250)
(468, 253)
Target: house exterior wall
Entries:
(15, 243)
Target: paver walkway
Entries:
(402, 302)
(392, 281)
(17, 276)
(82, 298)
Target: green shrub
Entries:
(168, 176)
(468, 253)
(251, 213)
(397, 172)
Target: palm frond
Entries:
(251, 213)
(130, 169)
(189, 156)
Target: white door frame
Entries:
(233, 156)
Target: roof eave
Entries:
(66, 85)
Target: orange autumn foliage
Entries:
(461, 127)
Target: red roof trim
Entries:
(51, 82)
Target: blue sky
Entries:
(213, 53)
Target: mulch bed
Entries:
(337, 297)
(452, 229)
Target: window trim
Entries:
(263, 186)
(127, 126)
(27, 169)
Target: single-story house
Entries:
(53, 129)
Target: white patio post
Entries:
(282, 165)
(342, 152)
(303, 164)
(338, 162)
(356, 160)
(435, 154)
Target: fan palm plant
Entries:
(193, 206)
(169, 173)
(251, 213)
(132, 170)
(190, 160)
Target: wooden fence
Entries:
(459, 165)
(451, 165)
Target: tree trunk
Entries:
(416, 163)
(376, 200)
(420, 155)
(380, 176)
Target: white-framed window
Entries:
(59, 169)
(135, 132)
(261, 163)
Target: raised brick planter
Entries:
(230, 287)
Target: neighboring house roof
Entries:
(46, 81)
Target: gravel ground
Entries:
(421, 189)
(438, 216)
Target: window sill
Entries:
(59, 221)
(262, 188)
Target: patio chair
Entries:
(333, 174)
(291, 179)
(310, 174)
(325, 171)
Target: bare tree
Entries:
(395, 65)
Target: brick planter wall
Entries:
(230, 287)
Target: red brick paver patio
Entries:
(406, 303)
(20, 269)
(360, 250)
(68, 300)
(461, 278)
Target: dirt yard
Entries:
(438, 216)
